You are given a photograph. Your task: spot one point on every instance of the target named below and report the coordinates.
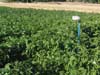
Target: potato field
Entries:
(44, 42)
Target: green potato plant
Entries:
(43, 42)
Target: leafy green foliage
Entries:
(41, 42)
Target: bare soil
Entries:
(67, 6)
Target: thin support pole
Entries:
(78, 30)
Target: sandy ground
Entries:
(68, 6)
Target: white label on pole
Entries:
(75, 18)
